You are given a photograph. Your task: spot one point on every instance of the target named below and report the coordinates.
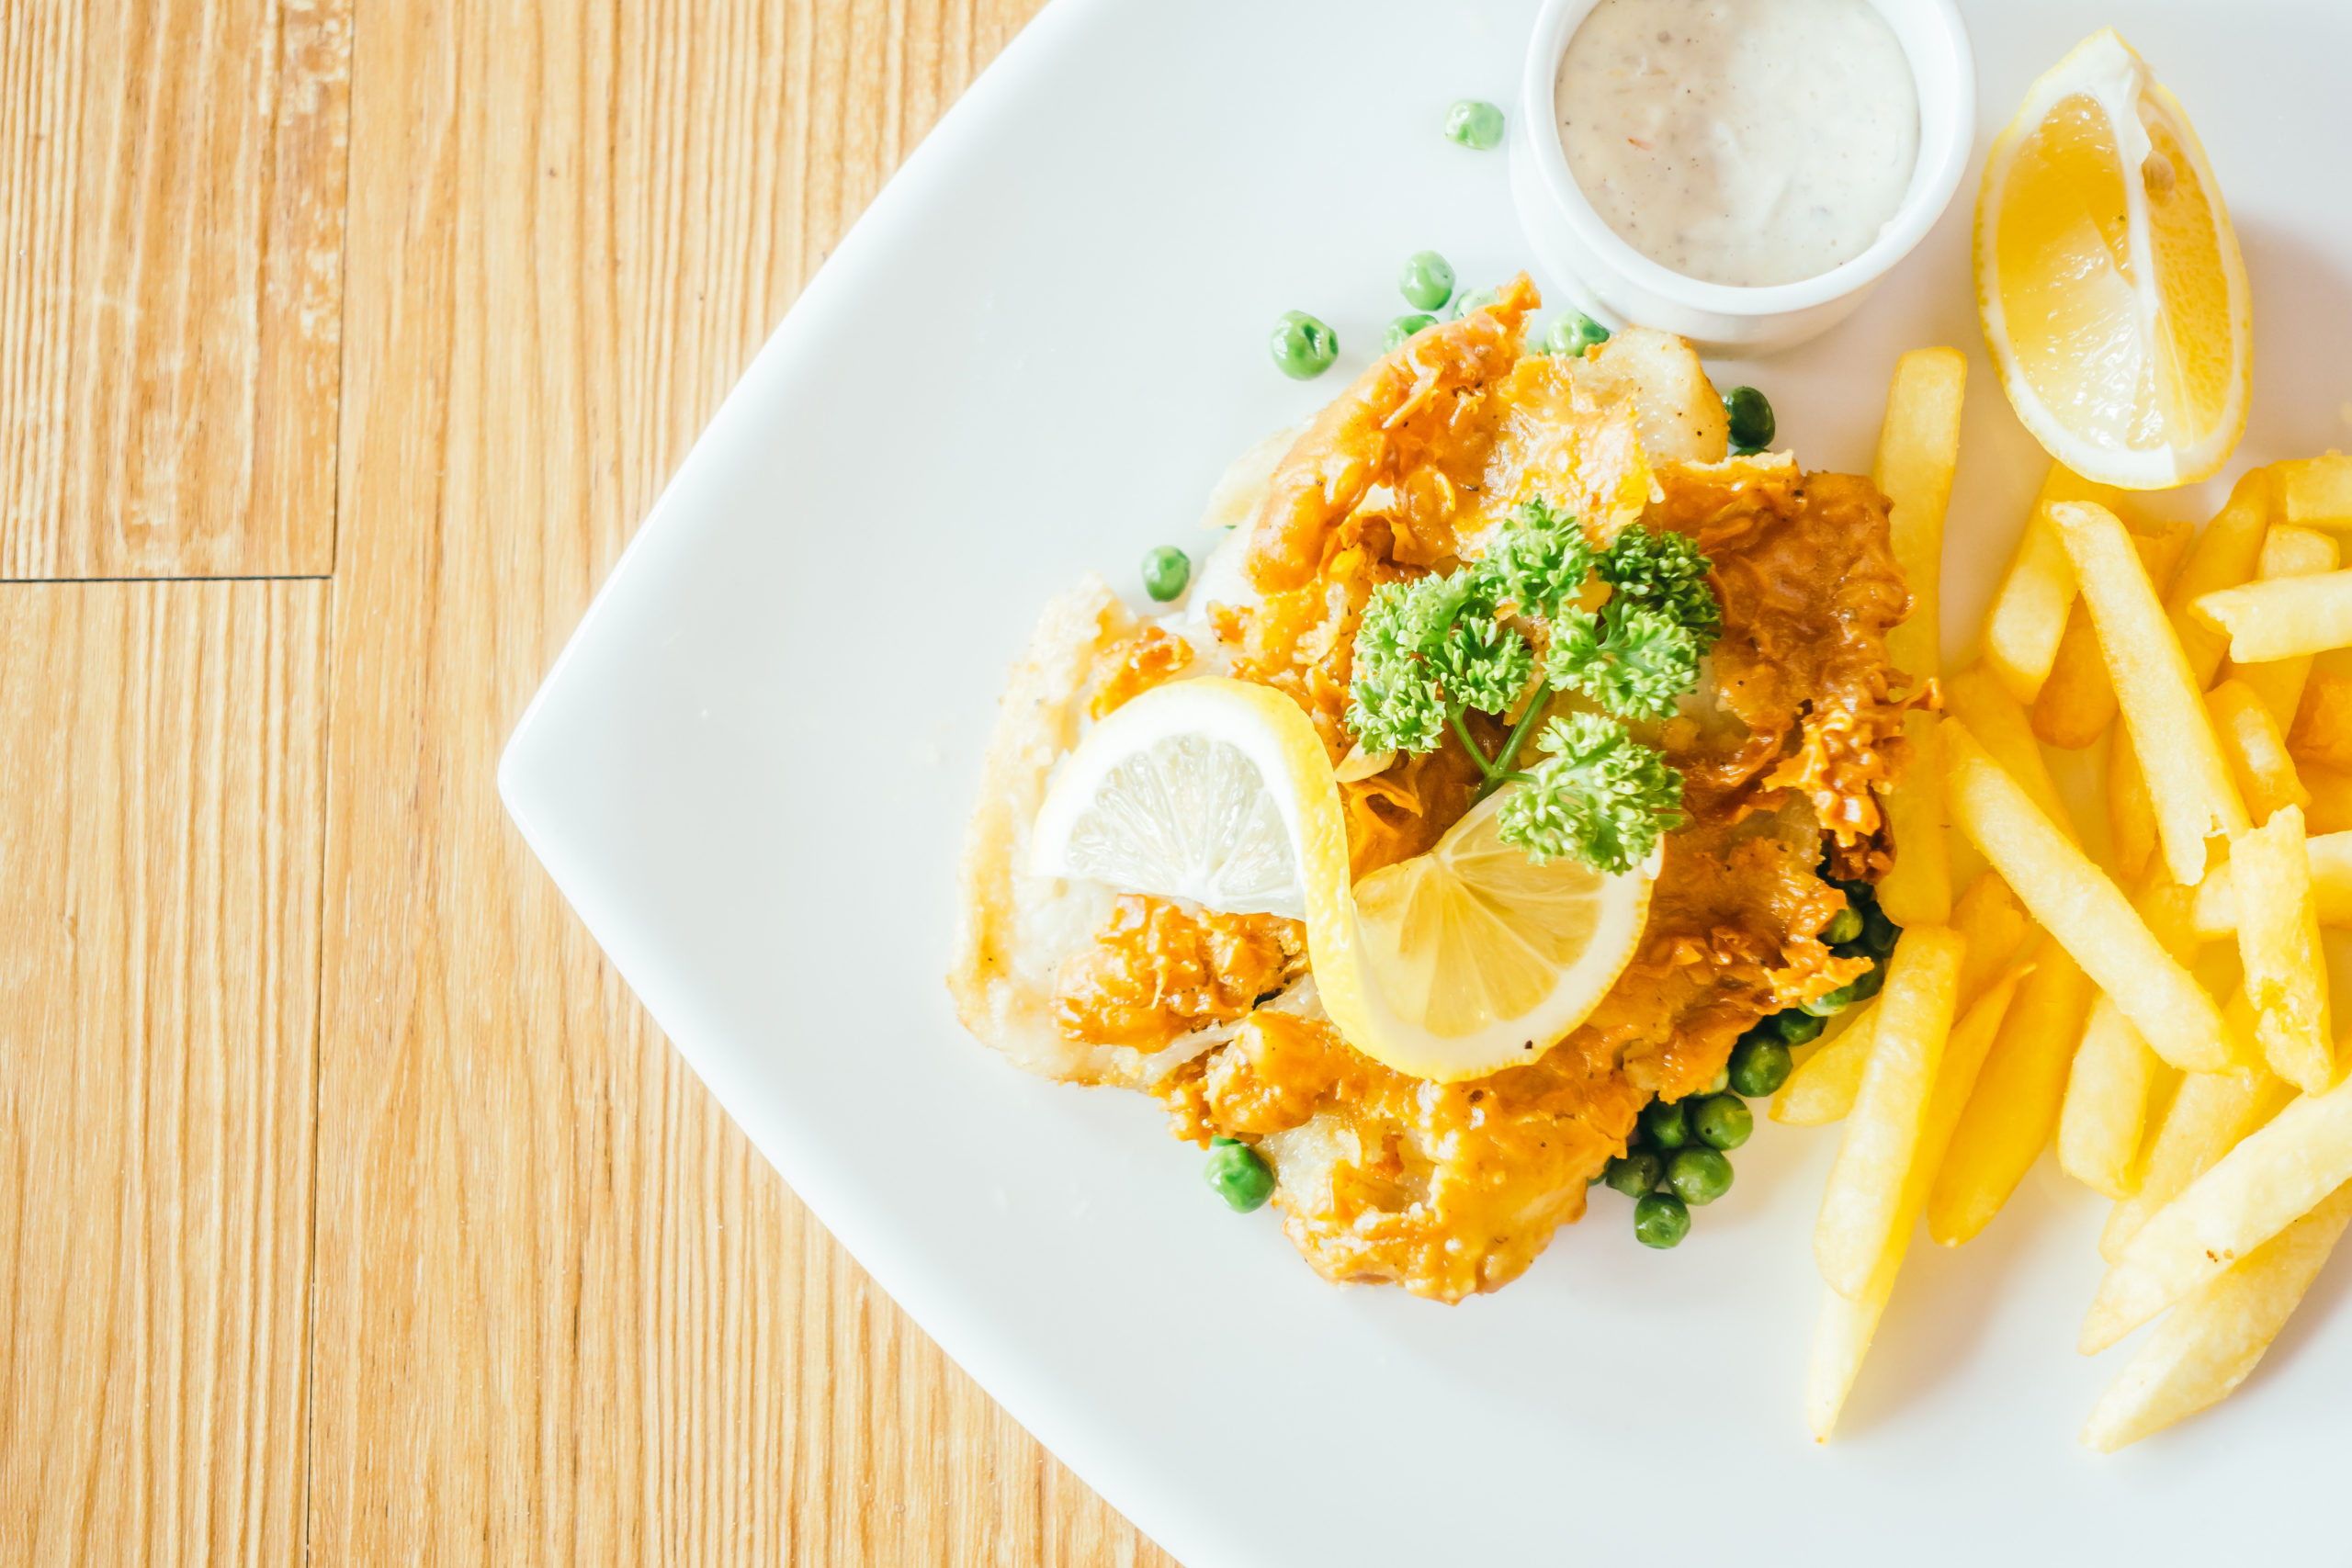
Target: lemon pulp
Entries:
(1474, 933)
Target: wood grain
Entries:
(563, 1312)
(161, 809)
(172, 191)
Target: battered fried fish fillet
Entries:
(1454, 1189)
(1451, 1190)
(1015, 929)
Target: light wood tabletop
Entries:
(351, 1209)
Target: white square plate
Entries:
(749, 772)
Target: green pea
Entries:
(1636, 1172)
(1664, 1125)
(1759, 1066)
(1844, 926)
(1878, 932)
(1474, 122)
(1573, 333)
(1867, 985)
(1699, 1175)
(1401, 331)
(1833, 1004)
(1720, 1081)
(1304, 348)
(1166, 570)
(1722, 1121)
(1796, 1026)
(1475, 300)
(1427, 282)
(1660, 1220)
(1239, 1176)
(1752, 425)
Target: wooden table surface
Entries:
(351, 1209)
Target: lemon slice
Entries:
(1485, 956)
(1448, 966)
(2109, 279)
(1199, 789)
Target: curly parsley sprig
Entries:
(1432, 650)
(1663, 572)
(1599, 795)
(1541, 562)
(1632, 659)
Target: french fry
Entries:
(1915, 1017)
(2115, 1076)
(2162, 546)
(2130, 815)
(2162, 699)
(2256, 751)
(1841, 1335)
(2014, 1108)
(1822, 1089)
(2331, 793)
(2277, 1175)
(2290, 551)
(2170, 911)
(2077, 702)
(2029, 615)
(2315, 491)
(1975, 699)
(2206, 1120)
(2074, 901)
(2212, 1339)
(1919, 447)
(2225, 555)
(2286, 973)
(1917, 890)
(2283, 617)
(2322, 728)
(2108, 1086)
(2287, 552)
(2215, 913)
(1995, 925)
(1992, 926)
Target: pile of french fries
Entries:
(2059, 998)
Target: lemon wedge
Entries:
(2107, 277)
(1449, 965)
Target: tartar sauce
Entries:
(1740, 142)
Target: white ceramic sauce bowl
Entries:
(1609, 279)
